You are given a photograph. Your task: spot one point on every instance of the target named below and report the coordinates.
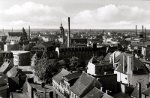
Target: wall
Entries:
(91, 68)
(143, 79)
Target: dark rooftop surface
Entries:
(82, 84)
(137, 66)
(60, 75)
(94, 93)
(72, 76)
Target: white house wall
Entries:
(91, 68)
(123, 78)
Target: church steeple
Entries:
(62, 32)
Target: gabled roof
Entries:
(99, 61)
(83, 84)
(12, 72)
(116, 54)
(106, 58)
(147, 92)
(4, 66)
(15, 33)
(72, 76)
(106, 96)
(137, 66)
(94, 93)
(59, 77)
(3, 79)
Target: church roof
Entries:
(137, 66)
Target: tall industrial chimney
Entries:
(142, 28)
(68, 39)
(29, 32)
(136, 30)
(123, 63)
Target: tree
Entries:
(74, 63)
(45, 69)
(37, 40)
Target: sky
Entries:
(84, 14)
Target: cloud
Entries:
(30, 13)
(112, 16)
(42, 15)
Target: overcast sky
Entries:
(84, 14)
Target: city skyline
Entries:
(84, 14)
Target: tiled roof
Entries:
(60, 75)
(99, 62)
(3, 79)
(106, 96)
(94, 93)
(147, 92)
(106, 58)
(15, 33)
(72, 76)
(137, 65)
(12, 72)
(5, 67)
(140, 43)
(82, 84)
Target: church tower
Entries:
(62, 31)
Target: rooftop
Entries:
(94, 93)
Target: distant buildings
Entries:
(17, 37)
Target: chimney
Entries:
(102, 89)
(29, 32)
(136, 30)
(114, 60)
(145, 34)
(106, 91)
(142, 28)
(139, 89)
(123, 63)
(68, 39)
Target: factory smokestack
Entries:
(136, 30)
(142, 28)
(68, 39)
(29, 32)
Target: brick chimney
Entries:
(136, 30)
(123, 63)
(68, 37)
(29, 32)
(114, 60)
(142, 28)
